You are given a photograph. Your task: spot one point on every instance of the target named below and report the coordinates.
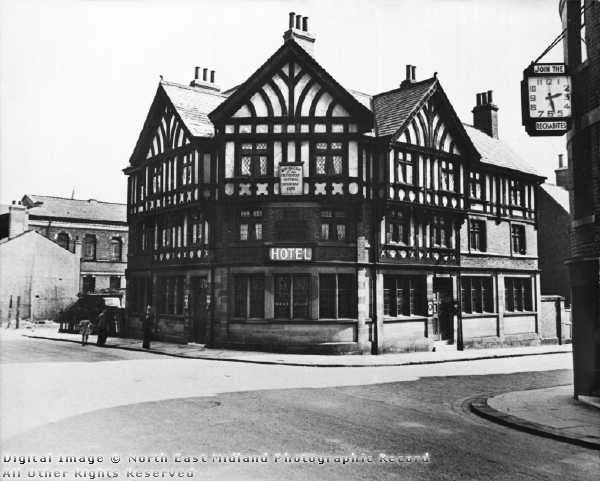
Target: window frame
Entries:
(404, 162)
(440, 227)
(246, 282)
(414, 288)
(291, 304)
(255, 155)
(397, 223)
(342, 308)
(254, 225)
(478, 235)
(473, 292)
(61, 237)
(116, 241)
(330, 153)
(89, 240)
(518, 240)
(518, 294)
(447, 170)
(476, 179)
(337, 218)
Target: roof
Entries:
(362, 97)
(559, 194)
(495, 152)
(193, 105)
(4, 209)
(392, 109)
(60, 207)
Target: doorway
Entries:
(199, 313)
(442, 290)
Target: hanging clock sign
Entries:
(546, 99)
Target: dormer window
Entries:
(253, 160)
(329, 158)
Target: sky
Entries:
(77, 77)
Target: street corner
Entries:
(551, 412)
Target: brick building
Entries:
(581, 21)
(291, 213)
(95, 231)
(554, 220)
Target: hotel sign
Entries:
(290, 179)
(290, 254)
(546, 99)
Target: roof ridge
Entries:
(193, 89)
(76, 200)
(406, 87)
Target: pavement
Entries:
(551, 412)
(198, 351)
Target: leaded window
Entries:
(517, 233)
(477, 294)
(253, 159)
(333, 225)
(517, 293)
(447, 175)
(251, 225)
(404, 296)
(398, 227)
(249, 296)
(477, 237)
(329, 158)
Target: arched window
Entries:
(116, 249)
(62, 239)
(89, 246)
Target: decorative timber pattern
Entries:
(169, 135)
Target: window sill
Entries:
(416, 317)
(519, 313)
(467, 315)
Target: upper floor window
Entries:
(403, 167)
(333, 225)
(198, 230)
(116, 247)
(251, 224)
(475, 185)
(440, 232)
(329, 158)
(517, 294)
(89, 247)
(517, 193)
(187, 169)
(517, 234)
(88, 284)
(62, 239)
(156, 173)
(447, 175)
(253, 160)
(477, 238)
(398, 227)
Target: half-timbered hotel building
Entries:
(290, 213)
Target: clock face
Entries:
(549, 96)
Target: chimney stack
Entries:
(563, 175)
(298, 31)
(18, 219)
(411, 76)
(207, 81)
(485, 114)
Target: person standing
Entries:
(147, 327)
(102, 328)
(85, 328)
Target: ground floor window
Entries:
(88, 284)
(517, 293)
(337, 296)
(292, 296)
(477, 294)
(139, 293)
(249, 296)
(404, 296)
(115, 282)
(171, 292)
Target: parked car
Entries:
(89, 306)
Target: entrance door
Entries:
(199, 309)
(442, 289)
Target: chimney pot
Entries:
(560, 161)
(478, 99)
(196, 73)
(212, 76)
(204, 74)
(305, 24)
(413, 73)
(408, 72)
(489, 97)
(292, 16)
(298, 21)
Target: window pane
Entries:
(336, 146)
(246, 168)
(258, 231)
(321, 146)
(346, 296)
(341, 232)
(321, 160)
(257, 296)
(337, 164)
(282, 297)
(240, 287)
(324, 231)
(327, 296)
(263, 165)
(243, 232)
(301, 296)
(389, 293)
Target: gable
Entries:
(291, 85)
(429, 129)
(168, 135)
(292, 91)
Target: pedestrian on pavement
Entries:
(147, 327)
(85, 329)
(102, 328)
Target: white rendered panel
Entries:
(277, 155)
(304, 157)
(308, 99)
(339, 111)
(323, 104)
(353, 158)
(283, 88)
(243, 112)
(291, 147)
(273, 99)
(259, 105)
(229, 159)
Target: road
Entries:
(144, 405)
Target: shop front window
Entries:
(292, 295)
